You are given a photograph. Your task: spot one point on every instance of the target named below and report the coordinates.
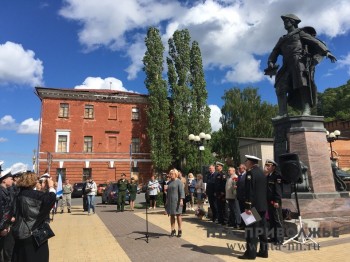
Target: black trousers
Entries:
(255, 233)
(276, 223)
(6, 247)
(220, 203)
(213, 206)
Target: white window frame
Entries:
(60, 132)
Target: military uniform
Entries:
(66, 197)
(220, 183)
(123, 185)
(6, 214)
(255, 196)
(274, 195)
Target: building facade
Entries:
(93, 133)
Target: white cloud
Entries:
(29, 126)
(232, 34)
(7, 122)
(345, 62)
(19, 66)
(215, 114)
(110, 83)
(3, 139)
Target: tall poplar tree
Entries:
(159, 109)
(190, 112)
(199, 111)
(179, 82)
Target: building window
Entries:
(89, 111)
(113, 113)
(87, 144)
(87, 173)
(61, 171)
(135, 113)
(62, 141)
(135, 145)
(64, 110)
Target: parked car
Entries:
(110, 195)
(100, 189)
(78, 189)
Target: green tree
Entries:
(244, 115)
(179, 82)
(333, 103)
(159, 109)
(199, 114)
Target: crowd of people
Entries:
(228, 194)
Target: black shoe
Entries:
(278, 243)
(69, 211)
(246, 257)
(179, 233)
(61, 211)
(173, 233)
(263, 255)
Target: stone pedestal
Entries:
(306, 136)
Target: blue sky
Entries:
(88, 43)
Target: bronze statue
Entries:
(301, 52)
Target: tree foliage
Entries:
(190, 112)
(159, 109)
(333, 103)
(244, 115)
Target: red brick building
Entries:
(341, 147)
(93, 133)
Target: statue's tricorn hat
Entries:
(292, 17)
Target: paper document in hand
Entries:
(252, 218)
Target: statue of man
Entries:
(301, 52)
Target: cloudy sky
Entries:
(91, 44)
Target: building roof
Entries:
(91, 95)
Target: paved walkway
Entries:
(111, 236)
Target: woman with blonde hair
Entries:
(175, 201)
(32, 209)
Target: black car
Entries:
(78, 189)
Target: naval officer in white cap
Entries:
(255, 197)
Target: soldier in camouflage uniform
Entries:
(122, 187)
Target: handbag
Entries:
(41, 234)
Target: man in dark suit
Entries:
(210, 191)
(255, 197)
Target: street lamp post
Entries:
(200, 141)
(331, 137)
(34, 160)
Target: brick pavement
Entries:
(110, 236)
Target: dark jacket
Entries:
(240, 187)
(220, 182)
(6, 208)
(210, 183)
(274, 187)
(33, 208)
(256, 189)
